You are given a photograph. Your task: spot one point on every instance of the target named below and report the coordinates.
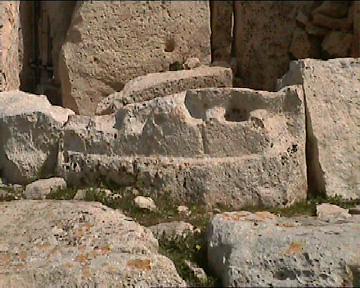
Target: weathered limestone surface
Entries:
(155, 85)
(30, 130)
(76, 244)
(110, 43)
(250, 145)
(332, 92)
(9, 45)
(261, 249)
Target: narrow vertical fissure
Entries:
(315, 175)
(43, 28)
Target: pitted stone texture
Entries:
(73, 244)
(261, 249)
(30, 131)
(332, 92)
(110, 43)
(9, 45)
(155, 85)
(248, 144)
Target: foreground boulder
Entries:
(257, 250)
(332, 92)
(154, 85)
(110, 43)
(233, 147)
(76, 244)
(30, 131)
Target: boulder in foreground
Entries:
(261, 249)
(77, 244)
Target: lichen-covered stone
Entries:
(75, 244)
(246, 249)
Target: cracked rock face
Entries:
(30, 130)
(231, 146)
(71, 244)
(260, 249)
(332, 92)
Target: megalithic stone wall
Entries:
(110, 43)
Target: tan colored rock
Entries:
(328, 212)
(332, 93)
(110, 43)
(9, 45)
(30, 131)
(250, 145)
(303, 46)
(222, 13)
(192, 63)
(41, 188)
(263, 41)
(337, 44)
(145, 203)
(172, 230)
(76, 244)
(155, 85)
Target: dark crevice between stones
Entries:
(315, 175)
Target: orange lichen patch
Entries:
(103, 250)
(86, 273)
(43, 247)
(140, 264)
(295, 248)
(237, 216)
(22, 256)
(83, 259)
(111, 269)
(264, 215)
(286, 225)
(68, 265)
(5, 259)
(83, 230)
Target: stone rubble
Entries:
(41, 188)
(145, 203)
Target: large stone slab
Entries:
(154, 85)
(332, 92)
(110, 43)
(226, 146)
(30, 130)
(78, 244)
(246, 249)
